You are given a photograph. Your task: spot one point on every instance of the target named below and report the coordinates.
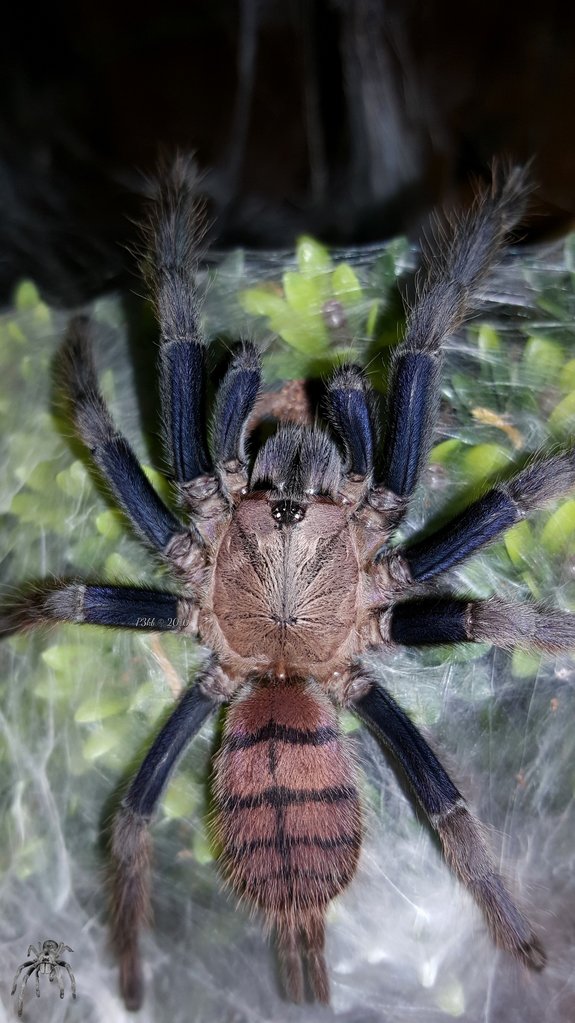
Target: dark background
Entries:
(347, 119)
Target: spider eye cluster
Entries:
(286, 513)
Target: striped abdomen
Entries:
(288, 818)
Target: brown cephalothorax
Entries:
(286, 575)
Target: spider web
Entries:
(79, 706)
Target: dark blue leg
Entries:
(174, 235)
(188, 717)
(430, 782)
(235, 401)
(131, 842)
(468, 532)
(412, 408)
(350, 408)
(449, 620)
(110, 450)
(542, 481)
(422, 622)
(182, 374)
(459, 259)
(120, 607)
(460, 833)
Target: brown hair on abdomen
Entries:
(288, 818)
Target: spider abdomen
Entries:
(288, 815)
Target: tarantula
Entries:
(287, 577)
(47, 959)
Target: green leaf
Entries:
(525, 664)
(158, 481)
(180, 799)
(349, 723)
(567, 376)
(106, 738)
(26, 296)
(444, 451)
(543, 360)
(488, 339)
(345, 285)
(109, 523)
(263, 302)
(559, 528)
(562, 419)
(520, 543)
(41, 479)
(203, 851)
(303, 294)
(372, 318)
(62, 657)
(73, 480)
(312, 257)
(484, 460)
(118, 569)
(100, 707)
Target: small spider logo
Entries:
(48, 959)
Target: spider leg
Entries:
(235, 400)
(111, 452)
(173, 234)
(458, 262)
(29, 962)
(541, 481)
(350, 405)
(131, 842)
(20, 1002)
(460, 833)
(57, 976)
(453, 620)
(37, 972)
(66, 966)
(126, 607)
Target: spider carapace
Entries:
(295, 574)
(287, 575)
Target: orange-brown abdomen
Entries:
(288, 817)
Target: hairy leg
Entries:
(460, 833)
(131, 848)
(235, 401)
(458, 260)
(174, 232)
(174, 235)
(455, 620)
(29, 962)
(351, 408)
(65, 966)
(58, 978)
(543, 480)
(150, 517)
(126, 607)
(20, 1002)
